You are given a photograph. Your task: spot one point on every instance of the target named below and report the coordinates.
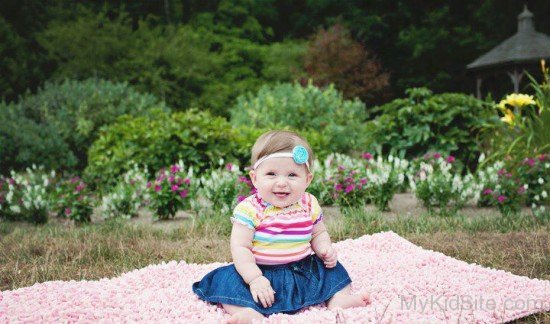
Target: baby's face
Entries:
(280, 181)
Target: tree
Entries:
(334, 57)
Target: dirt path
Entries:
(402, 204)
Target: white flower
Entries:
(9, 196)
(541, 181)
(542, 208)
(533, 205)
(544, 194)
(537, 198)
(481, 158)
(15, 209)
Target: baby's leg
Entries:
(241, 314)
(344, 299)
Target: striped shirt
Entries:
(281, 235)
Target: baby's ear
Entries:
(309, 178)
(252, 175)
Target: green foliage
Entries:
(73, 200)
(26, 196)
(524, 130)
(159, 139)
(24, 141)
(187, 66)
(331, 120)
(448, 123)
(65, 118)
(172, 190)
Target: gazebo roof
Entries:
(527, 45)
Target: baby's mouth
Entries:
(281, 194)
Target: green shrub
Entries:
(158, 140)
(448, 123)
(70, 113)
(24, 142)
(323, 114)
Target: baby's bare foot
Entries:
(344, 300)
(246, 316)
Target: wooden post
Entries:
(479, 80)
(516, 79)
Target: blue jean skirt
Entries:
(297, 285)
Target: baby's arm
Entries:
(241, 245)
(245, 263)
(322, 246)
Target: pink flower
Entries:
(171, 179)
(426, 156)
(338, 187)
(148, 184)
(74, 180)
(348, 179)
(529, 161)
(521, 190)
(341, 167)
(187, 181)
(501, 198)
(158, 188)
(229, 166)
(80, 187)
(367, 156)
(67, 211)
(542, 157)
(180, 181)
(174, 188)
(450, 159)
(241, 198)
(243, 179)
(437, 155)
(501, 172)
(174, 168)
(363, 181)
(488, 191)
(12, 182)
(350, 188)
(184, 193)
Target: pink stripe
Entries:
(286, 226)
(265, 230)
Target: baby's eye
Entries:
(271, 173)
(293, 175)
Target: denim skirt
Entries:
(297, 285)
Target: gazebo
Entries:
(516, 54)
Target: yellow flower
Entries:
(502, 105)
(519, 100)
(509, 117)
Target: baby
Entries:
(283, 258)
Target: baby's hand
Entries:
(261, 290)
(329, 257)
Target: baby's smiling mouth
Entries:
(281, 194)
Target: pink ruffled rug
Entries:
(406, 284)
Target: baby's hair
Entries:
(279, 141)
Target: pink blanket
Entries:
(406, 284)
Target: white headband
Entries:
(299, 154)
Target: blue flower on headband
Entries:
(300, 155)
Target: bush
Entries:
(24, 142)
(159, 139)
(437, 185)
(172, 190)
(70, 113)
(127, 196)
(73, 199)
(26, 196)
(334, 57)
(324, 114)
(448, 123)
(222, 189)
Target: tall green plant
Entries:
(524, 128)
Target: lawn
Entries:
(60, 251)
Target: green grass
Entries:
(31, 254)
